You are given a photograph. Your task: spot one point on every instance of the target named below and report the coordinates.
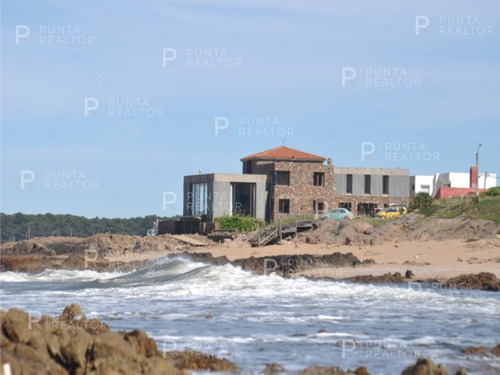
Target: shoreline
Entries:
(392, 262)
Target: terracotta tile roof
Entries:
(284, 153)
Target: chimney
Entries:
(473, 177)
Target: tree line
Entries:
(19, 226)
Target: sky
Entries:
(106, 105)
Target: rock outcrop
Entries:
(480, 281)
(288, 264)
(71, 344)
(385, 278)
(198, 361)
(425, 366)
(320, 370)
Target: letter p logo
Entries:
(22, 32)
(218, 121)
(348, 74)
(91, 104)
(421, 22)
(367, 148)
(169, 55)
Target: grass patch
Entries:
(488, 208)
(239, 222)
(428, 211)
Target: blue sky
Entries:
(424, 95)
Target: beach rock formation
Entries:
(344, 232)
(480, 281)
(272, 368)
(71, 344)
(496, 350)
(286, 265)
(320, 370)
(425, 366)
(385, 278)
(198, 361)
(474, 350)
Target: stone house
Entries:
(284, 181)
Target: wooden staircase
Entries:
(275, 232)
(270, 234)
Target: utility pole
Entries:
(477, 170)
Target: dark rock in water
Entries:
(425, 366)
(319, 370)
(74, 345)
(385, 278)
(288, 264)
(496, 350)
(474, 350)
(198, 361)
(409, 274)
(481, 281)
(272, 368)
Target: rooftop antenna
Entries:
(283, 143)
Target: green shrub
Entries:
(421, 201)
(492, 192)
(238, 222)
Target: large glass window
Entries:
(349, 184)
(368, 184)
(385, 185)
(198, 199)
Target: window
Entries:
(247, 167)
(282, 178)
(318, 207)
(385, 185)
(198, 199)
(348, 188)
(425, 188)
(319, 179)
(284, 206)
(368, 182)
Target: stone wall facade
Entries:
(304, 197)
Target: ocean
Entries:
(253, 320)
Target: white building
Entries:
(432, 184)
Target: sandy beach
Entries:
(426, 259)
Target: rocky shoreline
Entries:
(71, 344)
(284, 265)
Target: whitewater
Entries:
(253, 320)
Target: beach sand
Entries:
(426, 259)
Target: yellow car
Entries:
(392, 212)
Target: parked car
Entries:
(375, 211)
(338, 214)
(393, 212)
